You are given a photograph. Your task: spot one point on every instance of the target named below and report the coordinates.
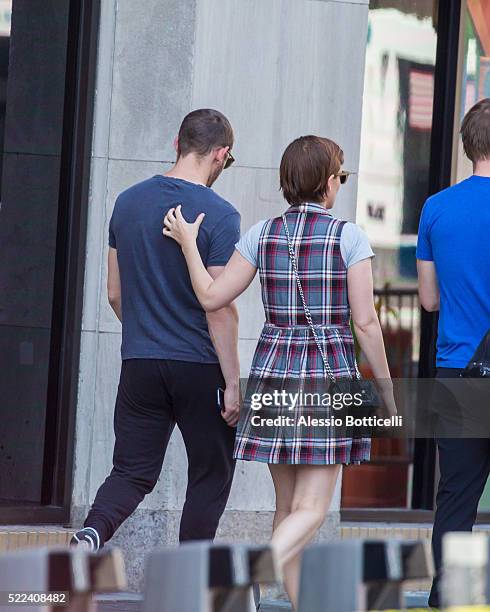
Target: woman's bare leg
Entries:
(284, 479)
(313, 490)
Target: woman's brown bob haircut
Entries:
(475, 131)
(306, 165)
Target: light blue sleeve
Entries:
(354, 245)
(248, 245)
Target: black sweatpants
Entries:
(152, 397)
(464, 465)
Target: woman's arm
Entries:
(367, 327)
(212, 294)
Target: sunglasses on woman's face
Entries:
(229, 161)
(343, 176)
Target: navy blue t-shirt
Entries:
(162, 318)
(454, 233)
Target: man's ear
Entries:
(219, 154)
(176, 144)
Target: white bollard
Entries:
(358, 575)
(39, 580)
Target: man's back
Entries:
(162, 318)
(455, 233)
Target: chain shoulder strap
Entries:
(292, 256)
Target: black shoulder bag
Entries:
(479, 365)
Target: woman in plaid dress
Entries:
(306, 331)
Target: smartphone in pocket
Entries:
(220, 399)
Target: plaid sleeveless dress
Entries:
(286, 349)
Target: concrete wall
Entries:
(277, 69)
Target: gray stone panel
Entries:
(246, 350)
(95, 243)
(106, 380)
(36, 78)
(28, 220)
(252, 488)
(291, 68)
(254, 193)
(152, 77)
(103, 86)
(86, 406)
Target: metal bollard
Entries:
(39, 580)
(465, 576)
(357, 575)
(206, 577)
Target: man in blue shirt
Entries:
(174, 356)
(453, 253)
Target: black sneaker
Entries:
(86, 538)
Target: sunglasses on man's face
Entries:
(229, 161)
(343, 176)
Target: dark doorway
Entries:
(45, 124)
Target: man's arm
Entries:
(428, 285)
(114, 283)
(223, 329)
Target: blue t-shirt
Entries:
(454, 233)
(162, 318)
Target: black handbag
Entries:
(479, 365)
(355, 384)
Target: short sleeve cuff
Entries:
(245, 254)
(424, 255)
(360, 257)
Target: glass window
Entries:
(474, 73)
(393, 185)
(32, 100)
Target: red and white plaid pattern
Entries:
(286, 351)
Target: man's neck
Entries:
(190, 170)
(482, 168)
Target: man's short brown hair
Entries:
(202, 131)
(475, 131)
(306, 165)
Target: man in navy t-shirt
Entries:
(453, 253)
(174, 356)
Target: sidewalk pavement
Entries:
(133, 602)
